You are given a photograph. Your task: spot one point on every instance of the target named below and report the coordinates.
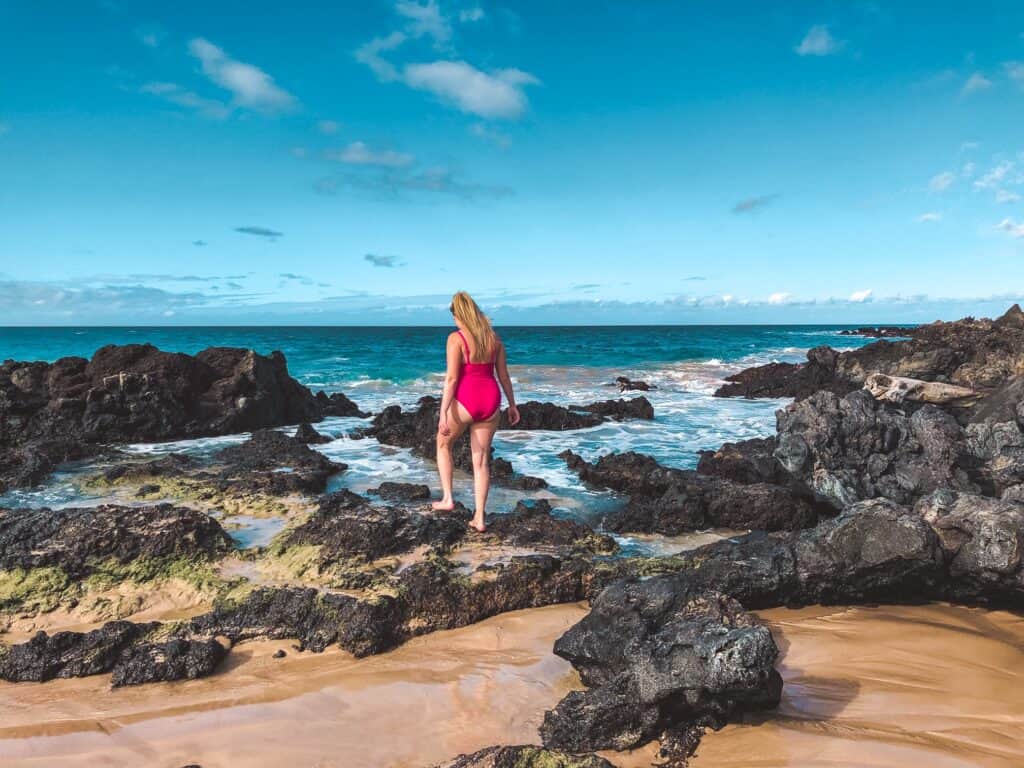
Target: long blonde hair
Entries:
(485, 340)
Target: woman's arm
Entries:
(453, 353)
(501, 368)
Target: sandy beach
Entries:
(866, 686)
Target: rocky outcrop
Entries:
(533, 524)
(672, 501)
(525, 757)
(855, 447)
(626, 384)
(161, 662)
(308, 435)
(896, 389)
(51, 412)
(657, 658)
(880, 332)
(348, 526)
(402, 491)
(78, 540)
(274, 463)
(338, 404)
(980, 355)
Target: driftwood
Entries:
(896, 389)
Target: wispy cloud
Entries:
(381, 260)
(1014, 70)
(425, 19)
(941, 181)
(752, 204)
(780, 297)
(818, 42)
(859, 297)
(996, 176)
(471, 14)
(398, 183)
(250, 86)
(179, 96)
(1012, 228)
(327, 127)
(489, 133)
(976, 82)
(371, 54)
(497, 94)
(150, 35)
(271, 234)
(1006, 196)
(931, 216)
(358, 153)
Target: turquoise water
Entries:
(382, 366)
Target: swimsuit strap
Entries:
(465, 344)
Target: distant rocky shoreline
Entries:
(895, 476)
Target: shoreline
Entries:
(875, 680)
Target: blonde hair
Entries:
(485, 340)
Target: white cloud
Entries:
(968, 170)
(818, 42)
(941, 181)
(370, 55)
(327, 127)
(968, 146)
(1012, 227)
(175, 94)
(1015, 70)
(1005, 196)
(250, 86)
(780, 298)
(490, 95)
(995, 177)
(924, 218)
(358, 153)
(976, 82)
(425, 19)
(471, 14)
(859, 297)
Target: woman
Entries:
(471, 400)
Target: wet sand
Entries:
(934, 685)
(429, 700)
(937, 686)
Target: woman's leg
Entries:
(458, 420)
(481, 434)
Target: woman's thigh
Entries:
(481, 434)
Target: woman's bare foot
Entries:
(478, 525)
(444, 505)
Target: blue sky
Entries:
(565, 162)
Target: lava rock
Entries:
(402, 491)
(627, 384)
(533, 523)
(77, 539)
(272, 462)
(308, 435)
(175, 659)
(525, 757)
(338, 404)
(69, 654)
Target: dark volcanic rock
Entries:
(402, 491)
(980, 354)
(78, 539)
(627, 384)
(347, 525)
(656, 657)
(983, 541)
(855, 447)
(747, 461)
(272, 462)
(337, 404)
(534, 524)
(425, 597)
(306, 434)
(166, 661)
(525, 757)
(54, 412)
(672, 501)
(69, 654)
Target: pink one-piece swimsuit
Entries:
(477, 389)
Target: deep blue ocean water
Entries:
(386, 365)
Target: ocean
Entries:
(381, 366)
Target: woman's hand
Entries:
(442, 425)
(513, 415)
